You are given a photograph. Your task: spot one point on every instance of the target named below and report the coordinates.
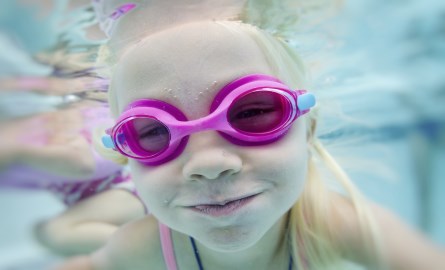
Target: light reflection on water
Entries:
(381, 64)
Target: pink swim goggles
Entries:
(252, 110)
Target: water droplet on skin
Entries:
(214, 83)
(200, 93)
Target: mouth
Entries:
(224, 208)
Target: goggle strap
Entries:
(305, 101)
(108, 142)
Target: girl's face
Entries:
(186, 66)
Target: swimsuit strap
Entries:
(167, 247)
(197, 257)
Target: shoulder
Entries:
(353, 227)
(342, 212)
(403, 246)
(135, 246)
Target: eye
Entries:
(257, 112)
(152, 135)
(254, 111)
(256, 119)
(152, 132)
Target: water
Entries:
(386, 78)
(381, 73)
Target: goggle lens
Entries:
(258, 112)
(153, 136)
(150, 137)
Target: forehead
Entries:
(186, 65)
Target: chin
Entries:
(231, 239)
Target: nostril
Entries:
(196, 177)
(212, 177)
(226, 173)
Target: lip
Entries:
(223, 208)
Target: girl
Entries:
(220, 142)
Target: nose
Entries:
(209, 160)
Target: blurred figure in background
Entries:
(52, 151)
(50, 148)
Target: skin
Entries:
(207, 57)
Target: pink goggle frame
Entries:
(253, 110)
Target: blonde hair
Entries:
(311, 238)
(105, 63)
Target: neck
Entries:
(270, 252)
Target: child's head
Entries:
(186, 66)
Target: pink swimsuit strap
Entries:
(167, 247)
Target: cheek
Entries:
(292, 175)
(297, 156)
(286, 161)
(292, 169)
(152, 185)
